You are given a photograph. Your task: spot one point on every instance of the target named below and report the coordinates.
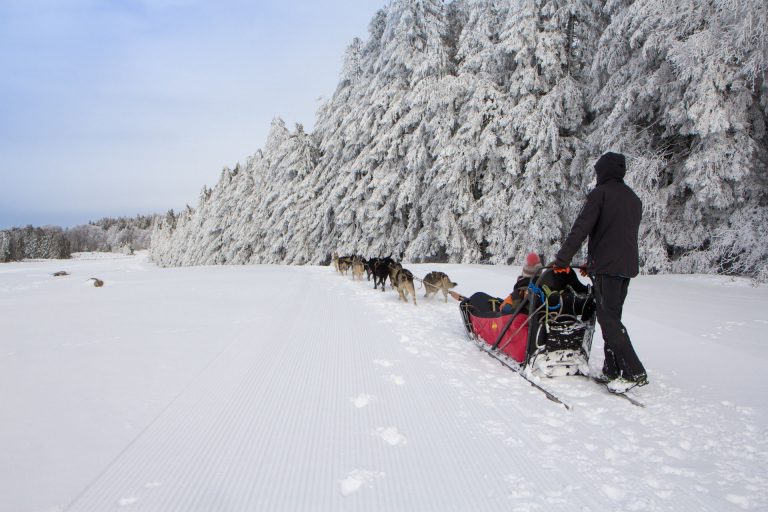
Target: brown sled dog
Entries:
(404, 283)
(335, 260)
(345, 263)
(358, 267)
(437, 281)
(394, 268)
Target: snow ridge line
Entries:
(304, 354)
(222, 444)
(667, 446)
(402, 492)
(168, 434)
(147, 428)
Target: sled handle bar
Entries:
(537, 276)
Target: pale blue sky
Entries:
(130, 106)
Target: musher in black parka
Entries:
(610, 218)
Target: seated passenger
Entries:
(520, 290)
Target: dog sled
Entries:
(548, 334)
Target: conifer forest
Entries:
(466, 132)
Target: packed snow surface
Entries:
(244, 388)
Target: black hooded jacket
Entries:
(611, 218)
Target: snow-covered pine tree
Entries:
(543, 41)
(46, 242)
(372, 186)
(467, 132)
(680, 89)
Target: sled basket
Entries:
(484, 322)
(551, 334)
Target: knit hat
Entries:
(532, 264)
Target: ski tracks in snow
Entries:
(679, 446)
(470, 412)
(383, 405)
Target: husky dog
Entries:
(335, 259)
(394, 268)
(437, 281)
(98, 283)
(60, 273)
(357, 268)
(404, 284)
(345, 263)
(368, 265)
(381, 271)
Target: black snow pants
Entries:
(620, 356)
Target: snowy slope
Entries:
(292, 388)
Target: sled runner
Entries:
(549, 334)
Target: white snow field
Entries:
(274, 388)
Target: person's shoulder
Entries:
(629, 191)
(616, 187)
(596, 193)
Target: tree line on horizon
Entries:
(121, 234)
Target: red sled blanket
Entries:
(486, 324)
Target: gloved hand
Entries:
(559, 267)
(583, 271)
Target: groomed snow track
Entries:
(315, 392)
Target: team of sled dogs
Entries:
(400, 278)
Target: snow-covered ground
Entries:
(245, 388)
